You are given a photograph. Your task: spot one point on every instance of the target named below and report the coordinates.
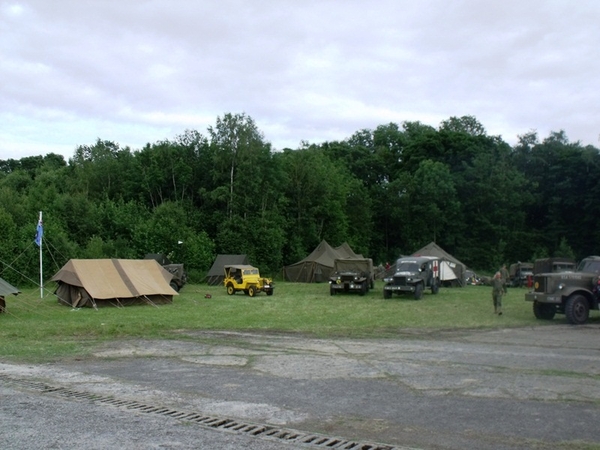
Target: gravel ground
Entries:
(537, 387)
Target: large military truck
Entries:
(352, 275)
(573, 294)
(554, 264)
(179, 274)
(519, 273)
(413, 275)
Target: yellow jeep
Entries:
(246, 278)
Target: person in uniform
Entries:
(505, 277)
(497, 292)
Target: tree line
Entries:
(386, 191)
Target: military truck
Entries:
(246, 278)
(573, 294)
(519, 273)
(413, 275)
(555, 264)
(352, 275)
(179, 274)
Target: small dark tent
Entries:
(317, 266)
(451, 269)
(216, 274)
(118, 282)
(5, 290)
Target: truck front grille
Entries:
(400, 281)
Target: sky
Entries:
(142, 71)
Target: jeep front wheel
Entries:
(251, 291)
(435, 288)
(418, 291)
(577, 310)
(363, 289)
(230, 289)
(544, 311)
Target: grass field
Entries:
(38, 329)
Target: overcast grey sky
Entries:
(134, 71)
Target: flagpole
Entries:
(41, 266)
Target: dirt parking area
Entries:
(537, 387)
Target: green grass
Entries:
(41, 329)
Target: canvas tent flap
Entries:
(108, 279)
(216, 275)
(450, 268)
(7, 289)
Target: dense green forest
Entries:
(386, 192)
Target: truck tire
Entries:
(387, 294)
(363, 289)
(577, 310)
(418, 291)
(331, 290)
(270, 292)
(435, 288)
(174, 286)
(544, 311)
(230, 289)
(251, 291)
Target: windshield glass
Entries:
(250, 271)
(407, 266)
(591, 266)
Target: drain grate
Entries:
(213, 422)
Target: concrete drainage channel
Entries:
(213, 422)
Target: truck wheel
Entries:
(435, 288)
(230, 289)
(270, 292)
(363, 289)
(577, 310)
(418, 291)
(251, 291)
(174, 286)
(387, 294)
(331, 291)
(544, 311)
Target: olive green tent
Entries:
(216, 274)
(317, 266)
(452, 271)
(6, 289)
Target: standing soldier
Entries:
(497, 292)
(505, 276)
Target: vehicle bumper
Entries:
(540, 297)
(346, 286)
(394, 288)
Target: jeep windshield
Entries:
(589, 265)
(250, 272)
(407, 266)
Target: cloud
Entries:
(140, 71)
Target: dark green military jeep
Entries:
(570, 293)
(352, 275)
(412, 275)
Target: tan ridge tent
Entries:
(216, 274)
(317, 266)
(118, 282)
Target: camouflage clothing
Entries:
(497, 292)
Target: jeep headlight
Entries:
(388, 279)
(561, 286)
